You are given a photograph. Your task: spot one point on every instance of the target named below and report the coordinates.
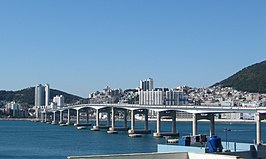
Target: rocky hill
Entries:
(251, 79)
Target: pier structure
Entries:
(143, 112)
(169, 114)
(55, 120)
(68, 117)
(258, 118)
(198, 116)
(61, 116)
(99, 110)
(199, 113)
(80, 110)
(114, 128)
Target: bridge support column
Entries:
(61, 117)
(42, 117)
(68, 117)
(108, 118)
(174, 122)
(77, 121)
(146, 125)
(132, 125)
(97, 118)
(113, 119)
(212, 124)
(125, 119)
(195, 124)
(54, 118)
(45, 117)
(258, 118)
(258, 128)
(158, 126)
(87, 116)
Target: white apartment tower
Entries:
(146, 84)
(47, 94)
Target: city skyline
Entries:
(80, 47)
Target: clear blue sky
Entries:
(82, 46)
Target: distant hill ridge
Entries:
(27, 96)
(251, 79)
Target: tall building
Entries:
(42, 95)
(162, 97)
(47, 94)
(39, 95)
(146, 84)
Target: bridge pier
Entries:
(87, 116)
(42, 117)
(45, 116)
(131, 131)
(195, 124)
(146, 127)
(171, 114)
(54, 118)
(68, 117)
(97, 118)
(258, 118)
(61, 117)
(77, 120)
(114, 129)
(97, 126)
(196, 117)
(125, 119)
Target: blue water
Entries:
(30, 140)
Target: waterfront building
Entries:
(14, 109)
(39, 95)
(42, 95)
(47, 94)
(59, 100)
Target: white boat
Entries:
(63, 124)
(172, 141)
(81, 127)
(134, 135)
(112, 132)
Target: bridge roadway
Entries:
(199, 113)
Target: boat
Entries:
(134, 135)
(63, 125)
(172, 141)
(81, 127)
(112, 132)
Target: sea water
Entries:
(30, 140)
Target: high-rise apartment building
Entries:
(146, 84)
(39, 95)
(162, 97)
(47, 94)
(42, 95)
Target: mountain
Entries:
(26, 96)
(251, 79)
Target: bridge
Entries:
(163, 111)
